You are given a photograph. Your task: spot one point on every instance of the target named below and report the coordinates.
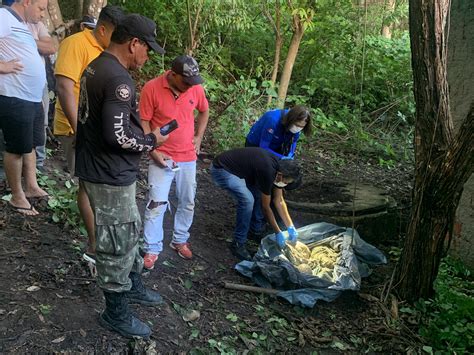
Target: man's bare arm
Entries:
(65, 89)
(46, 45)
(268, 213)
(280, 205)
(201, 120)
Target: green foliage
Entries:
(62, 201)
(357, 83)
(242, 108)
(68, 8)
(448, 320)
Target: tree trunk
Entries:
(79, 8)
(298, 32)
(443, 163)
(389, 8)
(93, 7)
(48, 22)
(276, 64)
(193, 27)
(55, 13)
(278, 44)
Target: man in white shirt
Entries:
(22, 81)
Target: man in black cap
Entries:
(75, 53)
(177, 94)
(246, 172)
(109, 143)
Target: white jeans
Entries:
(159, 184)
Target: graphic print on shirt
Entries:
(83, 111)
(123, 92)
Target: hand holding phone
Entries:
(172, 165)
(168, 128)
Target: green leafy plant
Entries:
(45, 309)
(447, 322)
(62, 201)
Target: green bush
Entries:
(448, 320)
(63, 202)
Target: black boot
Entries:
(239, 250)
(138, 294)
(117, 317)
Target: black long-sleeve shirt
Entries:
(109, 138)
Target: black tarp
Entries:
(270, 268)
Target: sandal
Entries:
(25, 211)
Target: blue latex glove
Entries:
(292, 234)
(286, 157)
(280, 238)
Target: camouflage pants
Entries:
(117, 227)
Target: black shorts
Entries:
(22, 123)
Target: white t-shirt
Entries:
(17, 42)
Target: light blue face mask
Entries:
(295, 129)
(280, 184)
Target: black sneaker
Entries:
(240, 251)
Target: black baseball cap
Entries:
(142, 28)
(294, 184)
(188, 68)
(89, 21)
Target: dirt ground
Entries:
(50, 303)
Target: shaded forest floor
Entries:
(60, 313)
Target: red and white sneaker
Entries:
(149, 261)
(183, 250)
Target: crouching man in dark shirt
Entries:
(253, 176)
(108, 147)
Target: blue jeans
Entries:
(244, 197)
(257, 223)
(159, 183)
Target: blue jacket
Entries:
(269, 133)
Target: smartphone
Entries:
(169, 127)
(172, 165)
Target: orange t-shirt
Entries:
(158, 105)
(74, 55)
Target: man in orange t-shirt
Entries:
(174, 95)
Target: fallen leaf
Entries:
(188, 284)
(58, 340)
(301, 340)
(167, 263)
(33, 288)
(83, 332)
(191, 316)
